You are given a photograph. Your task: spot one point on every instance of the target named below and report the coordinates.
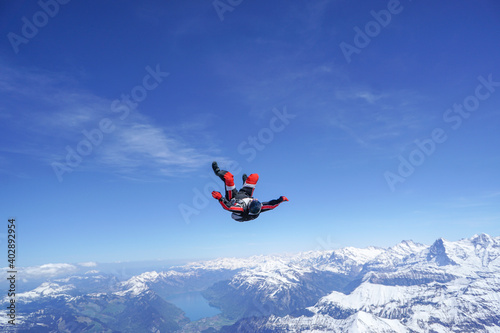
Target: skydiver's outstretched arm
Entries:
(228, 179)
(226, 204)
(269, 205)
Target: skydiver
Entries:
(242, 204)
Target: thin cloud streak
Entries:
(140, 146)
(137, 145)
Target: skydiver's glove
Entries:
(216, 195)
(282, 198)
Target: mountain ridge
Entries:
(448, 286)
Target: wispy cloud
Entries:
(492, 194)
(355, 94)
(88, 264)
(389, 119)
(338, 121)
(52, 113)
(53, 270)
(488, 199)
(47, 270)
(140, 148)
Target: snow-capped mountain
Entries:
(445, 287)
(410, 287)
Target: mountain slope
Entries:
(410, 287)
(445, 287)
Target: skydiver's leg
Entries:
(228, 179)
(217, 170)
(249, 184)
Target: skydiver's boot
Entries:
(244, 177)
(252, 180)
(218, 172)
(216, 168)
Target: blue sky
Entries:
(377, 119)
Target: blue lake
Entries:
(194, 305)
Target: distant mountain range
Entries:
(410, 287)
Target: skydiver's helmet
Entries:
(255, 207)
